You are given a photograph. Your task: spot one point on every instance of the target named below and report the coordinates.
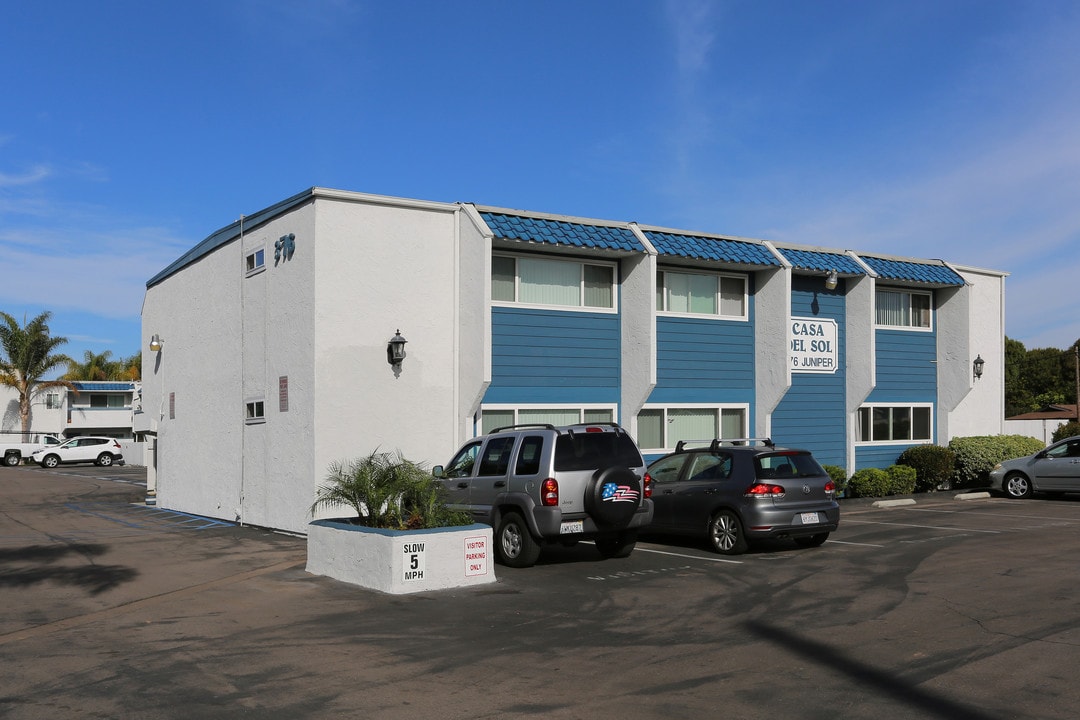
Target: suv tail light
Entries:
(647, 483)
(549, 492)
(764, 490)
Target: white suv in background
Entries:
(103, 451)
(537, 484)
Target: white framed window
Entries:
(896, 423)
(910, 309)
(52, 401)
(659, 428)
(550, 282)
(255, 262)
(254, 412)
(706, 294)
(496, 416)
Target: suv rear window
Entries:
(787, 464)
(595, 450)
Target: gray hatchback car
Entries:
(735, 491)
(1055, 469)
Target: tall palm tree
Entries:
(27, 355)
(94, 367)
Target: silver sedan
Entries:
(1055, 469)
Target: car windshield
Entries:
(594, 450)
(787, 464)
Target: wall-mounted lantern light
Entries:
(156, 343)
(977, 366)
(831, 280)
(395, 349)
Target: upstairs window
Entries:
(701, 294)
(903, 309)
(254, 412)
(561, 283)
(255, 262)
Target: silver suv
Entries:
(537, 484)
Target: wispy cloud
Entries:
(33, 176)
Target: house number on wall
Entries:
(284, 247)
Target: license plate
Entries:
(810, 518)
(573, 526)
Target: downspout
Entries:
(243, 424)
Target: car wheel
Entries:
(50, 461)
(726, 533)
(619, 545)
(613, 497)
(1017, 486)
(811, 540)
(105, 459)
(514, 544)
(12, 460)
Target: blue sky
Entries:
(933, 129)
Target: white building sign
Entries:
(812, 346)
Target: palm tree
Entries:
(93, 367)
(27, 355)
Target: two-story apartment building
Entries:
(271, 340)
(89, 408)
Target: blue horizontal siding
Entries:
(703, 360)
(878, 456)
(906, 367)
(813, 413)
(552, 356)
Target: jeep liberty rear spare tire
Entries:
(613, 496)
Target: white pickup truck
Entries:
(16, 446)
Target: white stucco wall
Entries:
(772, 371)
(384, 265)
(971, 324)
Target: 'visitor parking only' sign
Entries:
(812, 345)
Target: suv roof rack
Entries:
(519, 426)
(716, 443)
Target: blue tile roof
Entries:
(822, 261)
(561, 232)
(935, 273)
(705, 248)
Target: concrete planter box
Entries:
(401, 561)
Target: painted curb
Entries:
(893, 503)
(973, 496)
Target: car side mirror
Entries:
(438, 471)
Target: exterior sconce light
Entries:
(156, 343)
(977, 366)
(831, 280)
(395, 349)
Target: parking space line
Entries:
(924, 527)
(692, 557)
(1012, 515)
(843, 542)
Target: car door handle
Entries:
(500, 483)
(463, 485)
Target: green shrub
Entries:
(1067, 430)
(977, 455)
(902, 479)
(869, 482)
(933, 464)
(839, 477)
(387, 491)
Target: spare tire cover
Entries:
(613, 496)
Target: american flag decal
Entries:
(618, 493)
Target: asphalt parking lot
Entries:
(943, 609)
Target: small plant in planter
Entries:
(387, 491)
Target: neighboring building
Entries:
(91, 408)
(1042, 423)
(271, 360)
